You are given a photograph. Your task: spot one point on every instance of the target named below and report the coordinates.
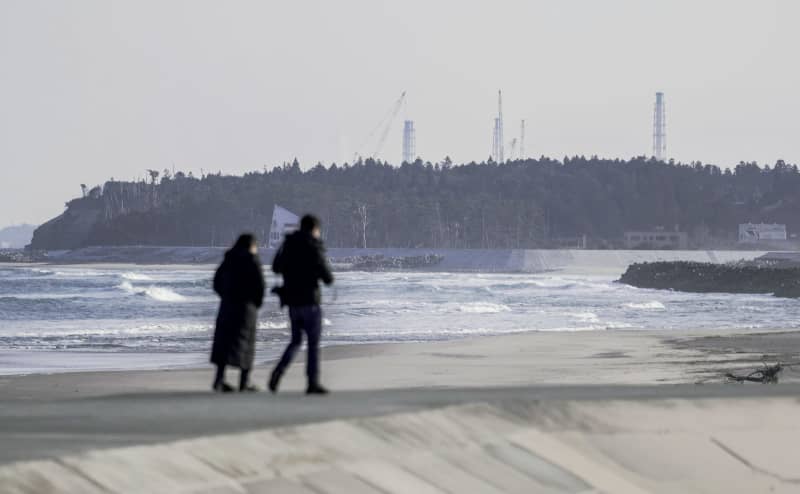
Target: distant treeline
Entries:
(520, 204)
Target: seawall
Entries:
(512, 445)
(469, 260)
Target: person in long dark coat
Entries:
(239, 282)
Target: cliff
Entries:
(70, 229)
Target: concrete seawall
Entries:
(541, 260)
(477, 260)
(512, 446)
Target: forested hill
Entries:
(520, 204)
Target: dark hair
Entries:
(309, 222)
(244, 242)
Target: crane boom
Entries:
(384, 126)
(397, 106)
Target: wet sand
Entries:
(526, 359)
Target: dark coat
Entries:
(301, 260)
(240, 283)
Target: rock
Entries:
(709, 277)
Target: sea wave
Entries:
(271, 324)
(553, 283)
(483, 308)
(585, 316)
(158, 293)
(135, 276)
(82, 273)
(155, 329)
(41, 271)
(652, 305)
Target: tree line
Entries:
(531, 203)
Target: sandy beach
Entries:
(527, 359)
(47, 419)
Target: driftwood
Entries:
(766, 375)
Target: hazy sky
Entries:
(96, 89)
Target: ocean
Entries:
(93, 317)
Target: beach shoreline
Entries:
(612, 357)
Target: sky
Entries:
(100, 89)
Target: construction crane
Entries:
(382, 129)
(513, 145)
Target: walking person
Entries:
(239, 282)
(301, 261)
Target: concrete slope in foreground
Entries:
(513, 446)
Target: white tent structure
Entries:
(283, 222)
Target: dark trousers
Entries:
(305, 319)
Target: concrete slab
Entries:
(502, 445)
(445, 475)
(277, 485)
(539, 468)
(583, 472)
(493, 472)
(390, 478)
(151, 469)
(39, 477)
(335, 481)
(258, 454)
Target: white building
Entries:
(283, 222)
(757, 232)
(657, 239)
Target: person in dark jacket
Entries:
(239, 282)
(301, 261)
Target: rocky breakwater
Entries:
(709, 277)
(19, 255)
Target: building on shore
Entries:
(657, 239)
(283, 222)
(761, 232)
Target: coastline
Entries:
(612, 357)
(452, 260)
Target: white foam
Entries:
(163, 294)
(652, 305)
(483, 308)
(154, 292)
(135, 276)
(273, 325)
(285, 324)
(126, 286)
(105, 328)
(82, 273)
(590, 317)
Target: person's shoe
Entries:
(316, 389)
(274, 381)
(250, 388)
(224, 387)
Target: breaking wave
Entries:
(154, 292)
(483, 308)
(653, 305)
(135, 276)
